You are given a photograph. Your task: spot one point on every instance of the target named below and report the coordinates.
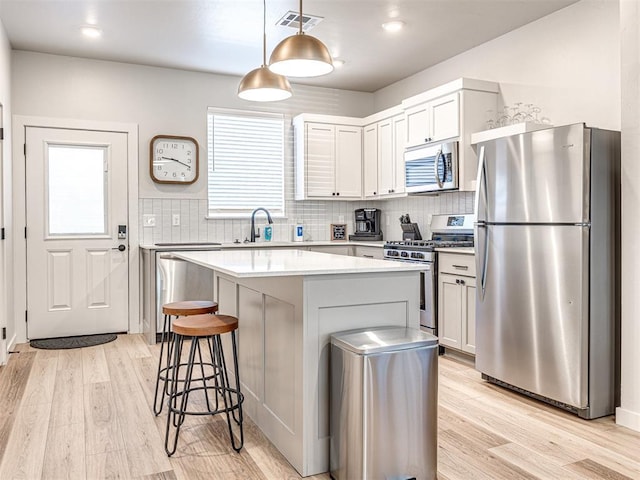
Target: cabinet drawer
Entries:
(457, 264)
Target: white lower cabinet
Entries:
(369, 252)
(457, 302)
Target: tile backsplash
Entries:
(316, 216)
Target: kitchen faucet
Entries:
(253, 222)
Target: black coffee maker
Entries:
(367, 225)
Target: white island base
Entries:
(286, 317)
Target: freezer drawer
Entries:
(532, 309)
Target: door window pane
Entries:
(77, 190)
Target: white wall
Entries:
(6, 257)
(628, 413)
(567, 63)
(160, 100)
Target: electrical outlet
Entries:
(148, 220)
(175, 220)
(340, 218)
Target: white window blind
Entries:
(246, 162)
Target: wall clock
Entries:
(173, 159)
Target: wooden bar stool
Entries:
(175, 309)
(196, 328)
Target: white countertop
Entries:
(289, 262)
(203, 246)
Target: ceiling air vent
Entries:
(292, 19)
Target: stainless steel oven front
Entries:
(428, 317)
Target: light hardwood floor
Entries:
(87, 413)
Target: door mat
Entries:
(80, 341)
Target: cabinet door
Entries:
(469, 317)
(370, 143)
(444, 117)
(320, 159)
(386, 166)
(417, 125)
(450, 310)
(348, 161)
(399, 145)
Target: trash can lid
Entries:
(365, 342)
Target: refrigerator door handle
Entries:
(435, 167)
(481, 260)
(481, 186)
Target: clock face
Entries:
(174, 159)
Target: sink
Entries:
(188, 244)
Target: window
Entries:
(76, 202)
(246, 162)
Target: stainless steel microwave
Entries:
(431, 167)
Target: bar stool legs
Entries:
(217, 384)
(175, 309)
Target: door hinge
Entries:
(26, 316)
(1, 133)
(4, 333)
(2, 237)
(25, 149)
(25, 232)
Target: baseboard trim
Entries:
(628, 418)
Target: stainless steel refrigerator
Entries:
(547, 252)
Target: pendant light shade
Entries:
(261, 84)
(301, 55)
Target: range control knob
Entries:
(404, 254)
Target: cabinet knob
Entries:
(461, 282)
(338, 193)
(334, 194)
(374, 193)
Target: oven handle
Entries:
(435, 167)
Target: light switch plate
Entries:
(148, 220)
(175, 220)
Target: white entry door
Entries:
(76, 188)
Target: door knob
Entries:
(120, 247)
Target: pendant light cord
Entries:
(264, 33)
(300, 19)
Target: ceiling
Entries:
(225, 36)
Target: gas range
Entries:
(449, 231)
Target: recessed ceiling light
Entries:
(91, 31)
(393, 25)
(338, 63)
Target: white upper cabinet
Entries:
(328, 160)
(370, 163)
(348, 161)
(434, 120)
(392, 136)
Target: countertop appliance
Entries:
(368, 224)
(447, 231)
(431, 167)
(547, 253)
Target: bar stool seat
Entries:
(174, 309)
(197, 328)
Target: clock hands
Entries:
(176, 160)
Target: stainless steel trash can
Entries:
(384, 405)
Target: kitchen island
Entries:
(289, 302)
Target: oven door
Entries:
(428, 318)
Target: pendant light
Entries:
(261, 84)
(301, 55)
